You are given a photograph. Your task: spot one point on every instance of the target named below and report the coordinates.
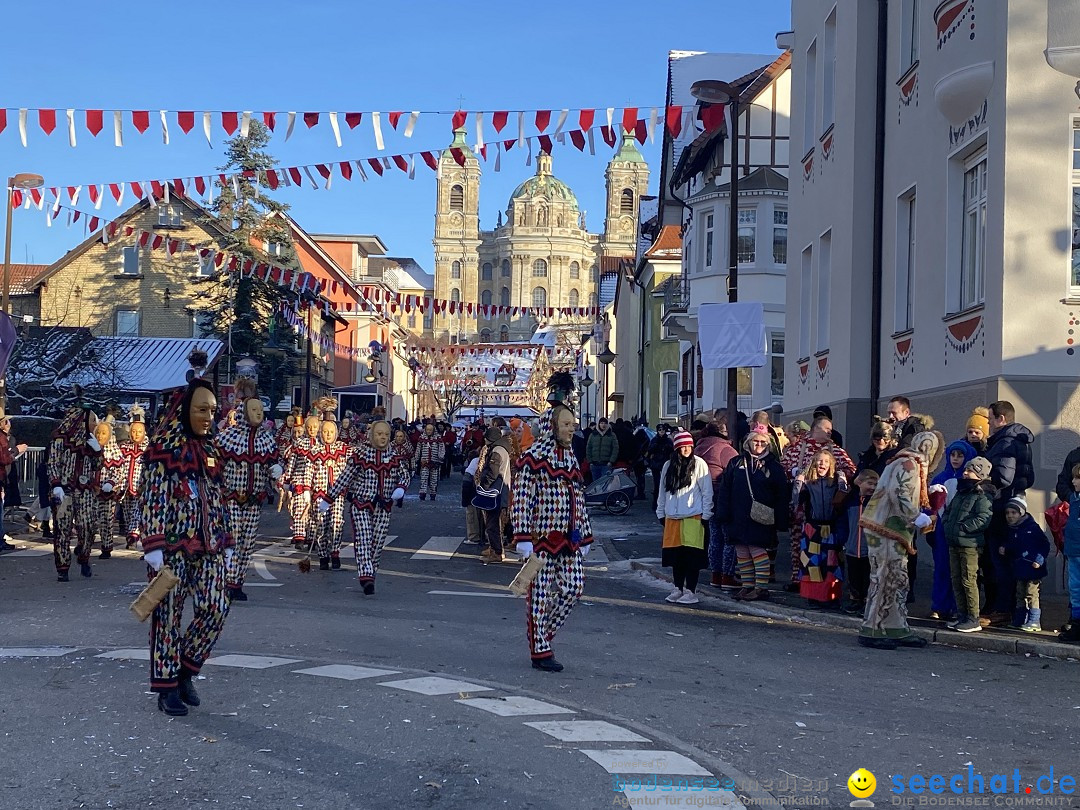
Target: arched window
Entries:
(504, 297)
(455, 294)
(594, 271)
(539, 269)
(592, 300)
(485, 271)
(485, 335)
(455, 270)
(575, 270)
(504, 333)
(457, 198)
(506, 268)
(573, 298)
(539, 298)
(626, 201)
(485, 298)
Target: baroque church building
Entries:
(541, 255)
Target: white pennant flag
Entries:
(412, 167)
(236, 187)
(292, 123)
(560, 123)
(75, 195)
(521, 129)
(376, 125)
(206, 127)
(165, 192)
(411, 123)
(71, 126)
(245, 123)
(48, 224)
(498, 155)
(360, 169)
(118, 128)
(329, 177)
(479, 123)
(22, 129)
(592, 145)
(100, 197)
(337, 131)
(528, 158)
(307, 171)
(150, 195)
(652, 125)
(610, 116)
(164, 127)
(386, 164)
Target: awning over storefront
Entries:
(139, 365)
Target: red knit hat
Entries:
(683, 439)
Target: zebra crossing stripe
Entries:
(438, 548)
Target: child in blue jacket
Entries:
(1026, 549)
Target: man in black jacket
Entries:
(656, 455)
(1064, 480)
(1009, 452)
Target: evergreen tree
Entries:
(245, 312)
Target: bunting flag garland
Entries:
(293, 317)
(385, 301)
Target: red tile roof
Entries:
(668, 243)
(22, 277)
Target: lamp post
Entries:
(21, 181)
(585, 382)
(719, 92)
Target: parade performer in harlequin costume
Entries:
(428, 454)
(549, 519)
(185, 527)
(287, 431)
(131, 467)
(300, 454)
(74, 459)
(108, 489)
(373, 479)
(250, 466)
(321, 473)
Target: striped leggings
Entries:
(753, 566)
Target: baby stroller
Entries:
(613, 492)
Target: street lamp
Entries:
(607, 356)
(20, 181)
(713, 91)
(585, 382)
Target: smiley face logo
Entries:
(861, 784)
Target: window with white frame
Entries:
(810, 98)
(707, 240)
(575, 270)
(669, 395)
(779, 236)
(747, 246)
(273, 248)
(205, 267)
(168, 216)
(539, 268)
(905, 261)
(1074, 274)
(127, 322)
(828, 71)
(776, 360)
(131, 261)
(824, 292)
(973, 240)
(909, 34)
(573, 298)
(539, 298)
(806, 287)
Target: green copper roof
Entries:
(628, 151)
(545, 184)
(459, 143)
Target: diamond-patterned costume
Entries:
(131, 469)
(105, 503)
(300, 450)
(322, 471)
(429, 454)
(73, 466)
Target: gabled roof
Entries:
(140, 364)
(668, 244)
(763, 178)
(22, 277)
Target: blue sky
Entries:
(331, 55)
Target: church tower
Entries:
(627, 179)
(457, 236)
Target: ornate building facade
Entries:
(539, 254)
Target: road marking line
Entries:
(260, 566)
(346, 672)
(435, 686)
(438, 548)
(36, 652)
(514, 706)
(142, 654)
(476, 593)
(643, 760)
(586, 731)
(251, 661)
(263, 584)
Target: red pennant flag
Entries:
(577, 137)
(346, 169)
(543, 118)
(270, 119)
(353, 119)
(311, 119)
(178, 186)
(36, 195)
(459, 156)
(158, 239)
(376, 165)
(171, 245)
(545, 144)
(641, 131)
(136, 189)
(156, 189)
(674, 120)
(3, 119)
(294, 173)
(712, 116)
(230, 121)
(93, 192)
(185, 120)
(141, 120)
(71, 190)
(585, 119)
(400, 162)
(508, 145)
(93, 223)
(498, 119)
(94, 122)
(629, 118)
(114, 189)
(458, 120)
(609, 135)
(47, 120)
(271, 179)
(393, 117)
(200, 185)
(144, 238)
(323, 169)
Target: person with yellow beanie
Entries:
(978, 429)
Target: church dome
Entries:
(545, 184)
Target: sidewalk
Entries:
(636, 538)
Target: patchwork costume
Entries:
(429, 454)
(547, 509)
(74, 461)
(248, 453)
(368, 482)
(131, 470)
(108, 490)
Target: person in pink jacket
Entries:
(716, 451)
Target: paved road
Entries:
(661, 689)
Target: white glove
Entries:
(276, 472)
(229, 555)
(155, 559)
(58, 493)
(93, 443)
(937, 488)
(306, 496)
(525, 549)
(106, 487)
(921, 521)
(585, 550)
(324, 505)
(398, 494)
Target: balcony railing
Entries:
(676, 296)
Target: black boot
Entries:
(85, 569)
(1071, 633)
(369, 588)
(62, 576)
(236, 594)
(878, 643)
(335, 561)
(186, 690)
(105, 555)
(170, 703)
(324, 563)
(548, 664)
